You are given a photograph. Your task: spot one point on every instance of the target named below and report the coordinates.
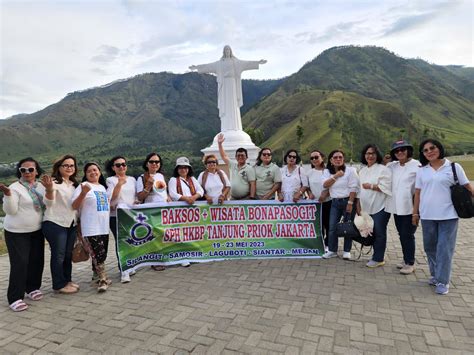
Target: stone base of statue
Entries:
(233, 141)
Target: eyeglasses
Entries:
(292, 156)
(154, 161)
(266, 154)
(124, 165)
(429, 149)
(338, 157)
(26, 170)
(316, 157)
(370, 153)
(211, 162)
(399, 150)
(67, 166)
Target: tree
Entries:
(299, 134)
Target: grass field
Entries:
(468, 165)
(3, 247)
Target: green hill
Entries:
(353, 95)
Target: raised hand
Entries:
(149, 181)
(220, 138)
(85, 188)
(122, 180)
(4, 188)
(47, 182)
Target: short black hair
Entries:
(298, 158)
(436, 143)
(110, 163)
(57, 175)
(101, 177)
(145, 162)
(190, 171)
(377, 153)
(331, 167)
(39, 171)
(258, 162)
(242, 150)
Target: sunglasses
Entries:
(266, 154)
(124, 165)
(154, 161)
(338, 157)
(316, 157)
(211, 162)
(26, 170)
(399, 150)
(292, 156)
(429, 149)
(67, 166)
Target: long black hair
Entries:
(298, 158)
(148, 157)
(110, 163)
(437, 144)
(259, 157)
(101, 177)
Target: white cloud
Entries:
(50, 48)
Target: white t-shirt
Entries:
(94, 211)
(344, 185)
(403, 187)
(315, 181)
(292, 182)
(127, 193)
(372, 201)
(158, 193)
(173, 190)
(214, 184)
(59, 210)
(435, 195)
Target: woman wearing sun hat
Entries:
(400, 203)
(183, 186)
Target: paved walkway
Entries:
(277, 306)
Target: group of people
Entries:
(40, 206)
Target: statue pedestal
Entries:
(233, 141)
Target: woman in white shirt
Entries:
(59, 222)
(342, 182)
(433, 205)
(120, 189)
(214, 181)
(375, 186)
(23, 206)
(151, 186)
(90, 199)
(294, 181)
(183, 186)
(400, 203)
(317, 192)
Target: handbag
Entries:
(346, 228)
(461, 197)
(79, 253)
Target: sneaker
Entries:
(326, 249)
(103, 286)
(373, 264)
(125, 277)
(132, 272)
(442, 289)
(407, 269)
(329, 255)
(186, 264)
(401, 265)
(432, 281)
(346, 255)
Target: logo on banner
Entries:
(141, 232)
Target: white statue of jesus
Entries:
(229, 86)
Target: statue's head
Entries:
(227, 52)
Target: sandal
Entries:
(157, 267)
(18, 306)
(35, 295)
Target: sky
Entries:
(51, 48)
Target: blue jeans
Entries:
(61, 241)
(439, 240)
(338, 208)
(380, 232)
(406, 231)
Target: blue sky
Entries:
(51, 48)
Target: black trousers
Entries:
(26, 253)
(326, 211)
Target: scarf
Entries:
(35, 195)
(188, 182)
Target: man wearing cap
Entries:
(242, 175)
(400, 204)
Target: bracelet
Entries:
(350, 202)
(415, 214)
(332, 177)
(147, 191)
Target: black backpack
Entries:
(461, 197)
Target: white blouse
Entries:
(344, 185)
(214, 185)
(173, 188)
(127, 193)
(403, 187)
(158, 192)
(59, 210)
(315, 180)
(374, 201)
(292, 182)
